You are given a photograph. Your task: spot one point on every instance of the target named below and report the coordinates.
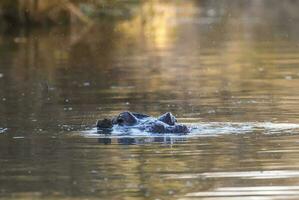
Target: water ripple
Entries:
(257, 192)
(269, 174)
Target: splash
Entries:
(2, 130)
(206, 129)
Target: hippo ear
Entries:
(126, 118)
(168, 118)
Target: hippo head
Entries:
(125, 119)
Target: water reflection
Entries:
(141, 140)
(205, 61)
(222, 166)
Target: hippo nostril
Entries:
(105, 123)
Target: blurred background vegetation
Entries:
(28, 13)
(49, 12)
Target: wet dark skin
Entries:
(166, 123)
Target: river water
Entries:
(229, 67)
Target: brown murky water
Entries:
(205, 61)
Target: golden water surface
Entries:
(204, 61)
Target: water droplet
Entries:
(211, 111)
(86, 84)
(92, 190)
(189, 184)
(211, 12)
(170, 192)
(20, 40)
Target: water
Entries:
(228, 67)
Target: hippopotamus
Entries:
(129, 121)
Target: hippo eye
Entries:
(120, 120)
